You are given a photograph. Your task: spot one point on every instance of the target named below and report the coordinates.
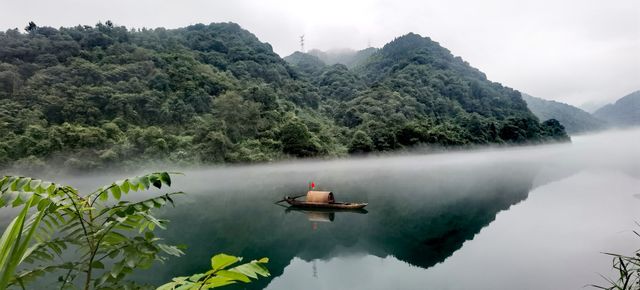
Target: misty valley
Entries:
(199, 157)
(501, 217)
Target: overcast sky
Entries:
(575, 51)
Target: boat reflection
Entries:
(323, 215)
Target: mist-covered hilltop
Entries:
(91, 96)
(350, 58)
(625, 112)
(574, 120)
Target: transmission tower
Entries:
(302, 43)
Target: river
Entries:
(536, 217)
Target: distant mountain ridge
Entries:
(574, 120)
(316, 59)
(349, 57)
(625, 112)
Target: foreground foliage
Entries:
(77, 235)
(628, 271)
(221, 274)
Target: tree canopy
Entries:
(91, 96)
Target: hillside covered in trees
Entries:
(574, 120)
(93, 96)
(625, 112)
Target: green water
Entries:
(523, 218)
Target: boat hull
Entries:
(326, 210)
(332, 205)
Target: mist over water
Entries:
(517, 218)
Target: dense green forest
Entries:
(94, 96)
(574, 120)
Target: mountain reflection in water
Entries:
(418, 214)
(422, 210)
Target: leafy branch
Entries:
(627, 269)
(86, 224)
(118, 234)
(220, 274)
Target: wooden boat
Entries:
(336, 205)
(322, 200)
(326, 210)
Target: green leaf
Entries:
(45, 185)
(97, 265)
(189, 286)
(164, 177)
(43, 204)
(221, 261)
(14, 184)
(234, 275)
(20, 199)
(114, 238)
(144, 181)
(125, 186)
(252, 269)
(14, 247)
(10, 182)
(218, 281)
(114, 254)
(104, 196)
(52, 189)
(159, 202)
(115, 190)
(181, 279)
(131, 260)
(171, 250)
(149, 203)
(116, 269)
(168, 286)
(7, 198)
(3, 181)
(20, 183)
(134, 183)
(34, 184)
(8, 245)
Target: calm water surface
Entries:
(524, 218)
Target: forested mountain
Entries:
(91, 96)
(435, 97)
(348, 57)
(305, 63)
(624, 112)
(573, 119)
